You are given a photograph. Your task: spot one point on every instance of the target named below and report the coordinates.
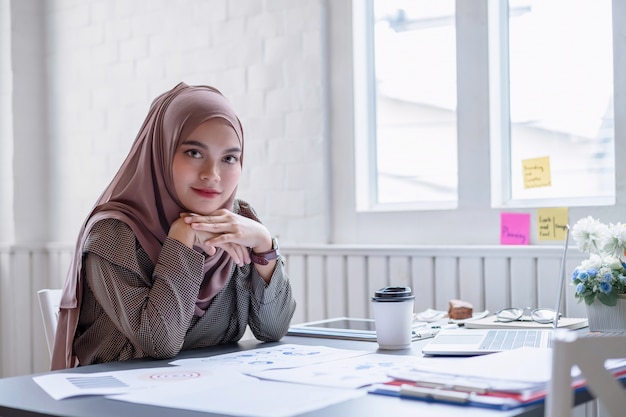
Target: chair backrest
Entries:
(589, 353)
(49, 300)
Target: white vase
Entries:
(603, 318)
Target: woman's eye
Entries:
(193, 153)
(231, 159)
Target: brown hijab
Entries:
(142, 195)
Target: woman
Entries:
(169, 259)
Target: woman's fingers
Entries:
(239, 253)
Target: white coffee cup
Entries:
(393, 317)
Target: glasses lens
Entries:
(543, 315)
(509, 314)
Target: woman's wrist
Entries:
(266, 246)
(180, 231)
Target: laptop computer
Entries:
(470, 342)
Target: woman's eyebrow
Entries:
(191, 142)
(236, 149)
(199, 144)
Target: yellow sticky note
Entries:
(552, 223)
(536, 172)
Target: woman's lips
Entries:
(208, 193)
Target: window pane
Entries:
(415, 75)
(561, 96)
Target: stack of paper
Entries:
(504, 380)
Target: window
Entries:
(406, 125)
(552, 102)
(551, 106)
(483, 143)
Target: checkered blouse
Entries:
(133, 309)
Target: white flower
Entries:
(612, 262)
(615, 242)
(593, 262)
(601, 276)
(589, 235)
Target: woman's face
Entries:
(207, 166)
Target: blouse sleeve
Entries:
(272, 305)
(151, 307)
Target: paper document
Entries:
(480, 381)
(65, 384)
(353, 372)
(527, 365)
(250, 398)
(281, 356)
(230, 366)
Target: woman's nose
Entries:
(209, 172)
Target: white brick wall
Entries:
(77, 80)
(107, 60)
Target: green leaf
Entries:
(589, 298)
(609, 299)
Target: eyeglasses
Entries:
(539, 315)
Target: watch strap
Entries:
(265, 257)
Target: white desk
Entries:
(21, 396)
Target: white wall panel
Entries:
(337, 292)
(327, 281)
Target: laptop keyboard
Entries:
(506, 340)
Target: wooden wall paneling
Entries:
(336, 286)
(379, 277)
(446, 281)
(497, 283)
(40, 274)
(316, 288)
(296, 269)
(327, 281)
(400, 271)
(471, 281)
(358, 295)
(21, 313)
(423, 282)
(6, 306)
(59, 262)
(548, 281)
(523, 282)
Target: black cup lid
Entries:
(393, 294)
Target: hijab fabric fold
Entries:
(142, 195)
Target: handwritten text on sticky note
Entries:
(514, 228)
(537, 172)
(552, 223)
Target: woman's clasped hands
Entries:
(234, 233)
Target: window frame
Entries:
(475, 221)
(365, 129)
(500, 124)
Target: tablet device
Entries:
(341, 328)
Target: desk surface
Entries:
(21, 396)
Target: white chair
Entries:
(589, 353)
(49, 300)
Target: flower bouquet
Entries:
(603, 275)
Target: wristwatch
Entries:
(265, 257)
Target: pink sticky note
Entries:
(514, 228)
